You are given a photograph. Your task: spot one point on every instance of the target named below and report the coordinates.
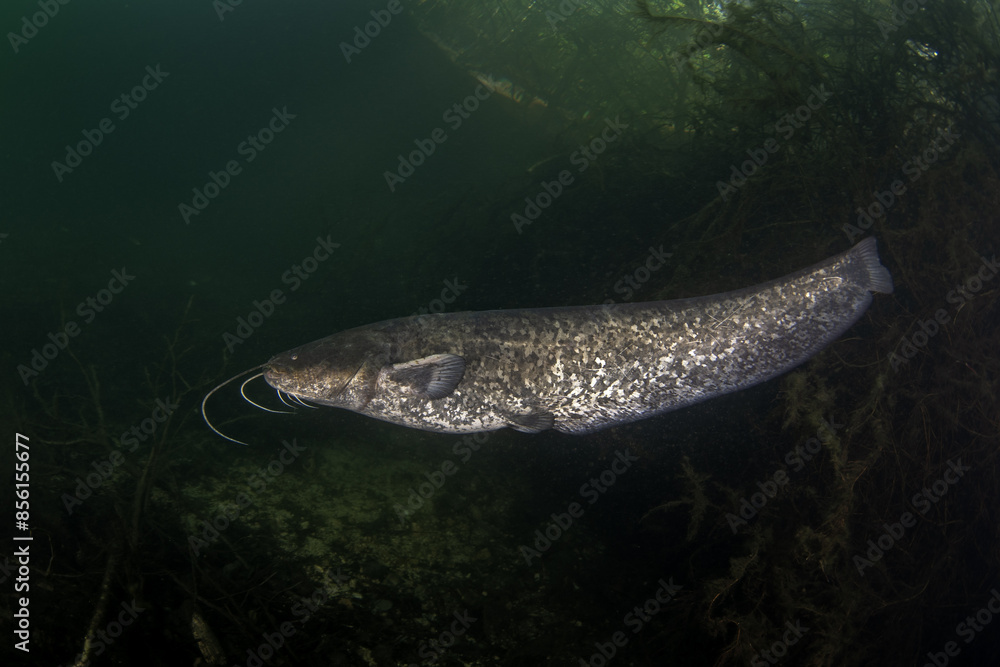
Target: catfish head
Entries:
(348, 369)
(340, 370)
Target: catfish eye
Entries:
(294, 357)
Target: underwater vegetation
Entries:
(845, 514)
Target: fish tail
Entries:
(872, 275)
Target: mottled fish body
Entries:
(580, 369)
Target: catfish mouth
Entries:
(275, 372)
(279, 374)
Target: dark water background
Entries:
(323, 176)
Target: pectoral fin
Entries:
(430, 377)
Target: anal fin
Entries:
(533, 422)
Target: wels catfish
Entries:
(579, 369)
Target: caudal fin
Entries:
(878, 276)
